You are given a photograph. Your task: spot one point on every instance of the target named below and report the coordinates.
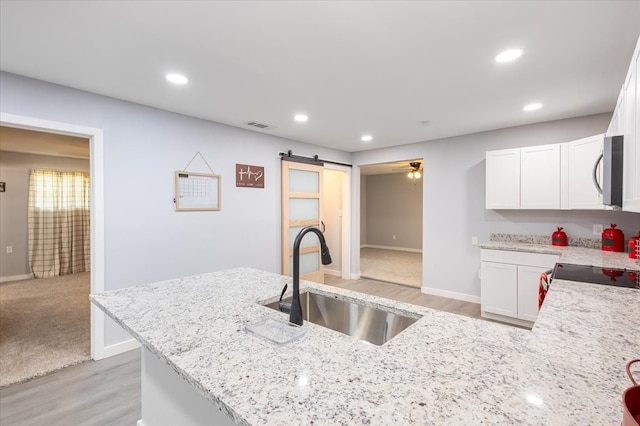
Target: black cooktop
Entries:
(597, 275)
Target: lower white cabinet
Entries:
(528, 282)
(497, 292)
(509, 284)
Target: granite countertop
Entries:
(445, 369)
(570, 254)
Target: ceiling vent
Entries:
(260, 126)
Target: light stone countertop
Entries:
(570, 254)
(445, 369)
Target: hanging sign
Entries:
(249, 176)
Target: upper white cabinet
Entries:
(540, 177)
(625, 121)
(503, 179)
(524, 178)
(629, 127)
(583, 159)
(616, 125)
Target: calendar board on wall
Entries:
(197, 191)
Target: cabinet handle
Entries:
(595, 174)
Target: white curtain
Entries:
(59, 227)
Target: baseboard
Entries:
(451, 294)
(119, 348)
(333, 272)
(355, 276)
(16, 278)
(412, 250)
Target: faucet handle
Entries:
(283, 291)
(282, 306)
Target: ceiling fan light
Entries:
(417, 175)
(410, 175)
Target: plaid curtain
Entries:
(59, 228)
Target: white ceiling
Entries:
(354, 67)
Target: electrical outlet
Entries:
(474, 241)
(9, 249)
(597, 229)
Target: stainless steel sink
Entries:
(362, 322)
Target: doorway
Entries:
(44, 302)
(95, 137)
(391, 222)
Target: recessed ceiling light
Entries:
(366, 138)
(177, 78)
(532, 107)
(301, 118)
(509, 55)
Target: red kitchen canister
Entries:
(634, 242)
(559, 238)
(612, 239)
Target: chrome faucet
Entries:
(294, 308)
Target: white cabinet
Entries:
(583, 157)
(616, 125)
(630, 129)
(540, 177)
(523, 178)
(498, 293)
(509, 284)
(528, 283)
(502, 171)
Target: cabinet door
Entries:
(540, 177)
(528, 282)
(583, 155)
(499, 288)
(631, 129)
(503, 179)
(616, 125)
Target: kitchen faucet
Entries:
(294, 308)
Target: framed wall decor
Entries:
(248, 176)
(197, 191)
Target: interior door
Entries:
(301, 207)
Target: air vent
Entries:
(259, 125)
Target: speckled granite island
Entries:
(444, 369)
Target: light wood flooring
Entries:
(406, 294)
(107, 392)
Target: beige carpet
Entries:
(44, 326)
(400, 267)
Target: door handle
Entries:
(595, 174)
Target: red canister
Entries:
(612, 239)
(559, 238)
(634, 242)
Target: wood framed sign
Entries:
(248, 176)
(197, 191)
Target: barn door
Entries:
(301, 207)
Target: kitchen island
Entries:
(445, 369)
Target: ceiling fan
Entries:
(414, 170)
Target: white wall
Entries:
(394, 208)
(453, 199)
(363, 209)
(332, 217)
(146, 240)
